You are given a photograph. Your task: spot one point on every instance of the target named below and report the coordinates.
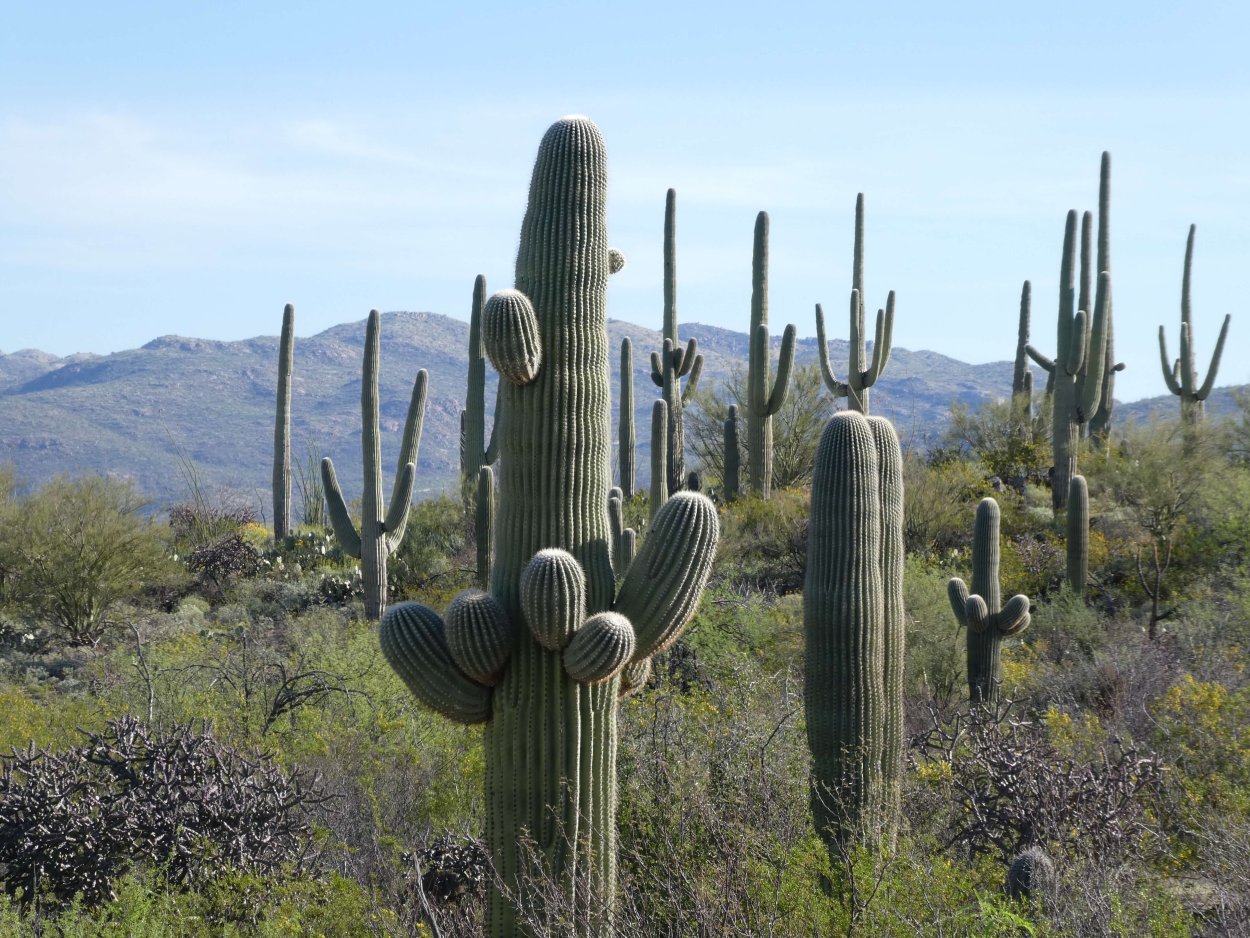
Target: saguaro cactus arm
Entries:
(785, 363)
(282, 428)
(414, 641)
(340, 518)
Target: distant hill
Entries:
(131, 414)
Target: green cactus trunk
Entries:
(731, 457)
(1078, 535)
(981, 612)
(853, 618)
(763, 403)
(1100, 423)
(626, 440)
(282, 428)
(1021, 377)
(475, 450)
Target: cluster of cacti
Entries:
(1180, 376)
(672, 362)
(731, 482)
(853, 623)
(860, 373)
(544, 656)
(282, 428)
(763, 403)
(1078, 535)
(981, 612)
(379, 535)
(625, 439)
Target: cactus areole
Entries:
(572, 645)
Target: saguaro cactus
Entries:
(379, 534)
(1180, 376)
(763, 403)
(659, 456)
(1078, 535)
(853, 622)
(1021, 375)
(1100, 423)
(858, 377)
(476, 452)
(282, 428)
(732, 458)
(625, 438)
(672, 362)
(981, 612)
(545, 655)
(1077, 367)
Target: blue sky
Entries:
(189, 168)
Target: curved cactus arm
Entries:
(836, 388)
(1043, 362)
(405, 479)
(1014, 617)
(976, 614)
(957, 592)
(882, 342)
(662, 588)
(1171, 368)
(511, 336)
(685, 363)
(414, 641)
(479, 636)
(340, 518)
(1096, 352)
(1203, 392)
(692, 382)
(1078, 342)
(785, 362)
(657, 370)
(401, 502)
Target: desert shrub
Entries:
(1008, 443)
(939, 502)
(433, 556)
(763, 545)
(936, 667)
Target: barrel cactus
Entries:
(1031, 875)
(544, 656)
(981, 612)
(853, 624)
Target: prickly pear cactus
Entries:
(544, 657)
(981, 612)
(853, 622)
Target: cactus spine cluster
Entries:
(732, 458)
(853, 623)
(1078, 535)
(860, 376)
(672, 362)
(379, 535)
(475, 451)
(1180, 376)
(981, 612)
(763, 403)
(625, 438)
(282, 428)
(545, 655)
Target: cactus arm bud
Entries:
(511, 336)
(553, 597)
(479, 636)
(634, 678)
(600, 648)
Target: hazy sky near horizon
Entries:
(189, 168)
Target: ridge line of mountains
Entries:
(141, 414)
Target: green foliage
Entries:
(764, 543)
(1004, 439)
(74, 551)
(938, 493)
(432, 558)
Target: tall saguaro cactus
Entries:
(853, 623)
(625, 436)
(1100, 423)
(1180, 376)
(476, 452)
(982, 613)
(282, 428)
(543, 657)
(861, 374)
(672, 362)
(763, 403)
(1021, 375)
(379, 535)
(1077, 367)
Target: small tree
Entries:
(74, 549)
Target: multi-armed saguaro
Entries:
(544, 656)
(763, 403)
(858, 377)
(1100, 423)
(282, 428)
(379, 534)
(673, 363)
(982, 612)
(1180, 376)
(853, 621)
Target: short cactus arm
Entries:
(957, 592)
(685, 361)
(1214, 367)
(340, 518)
(1043, 362)
(1171, 368)
(1078, 340)
(1014, 617)
(414, 641)
(661, 591)
(692, 382)
(784, 363)
(836, 388)
(511, 336)
(657, 370)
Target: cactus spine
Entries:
(982, 612)
(673, 363)
(763, 403)
(625, 440)
(282, 428)
(1078, 535)
(570, 650)
(379, 535)
(1180, 375)
(858, 378)
(474, 452)
(732, 459)
(853, 622)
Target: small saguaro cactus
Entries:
(982, 612)
(1076, 370)
(379, 535)
(853, 624)
(1180, 376)
(475, 451)
(1078, 535)
(282, 428)
(625, 437)
(659, 456)
(732, 459)
(1021, 375)
(543, 657)
(858, 377)
(672, 362)
(763, 403)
